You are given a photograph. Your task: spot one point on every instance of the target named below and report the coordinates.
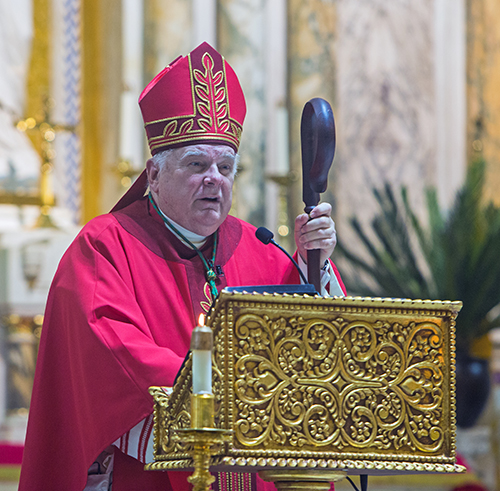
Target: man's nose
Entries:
(212, 176)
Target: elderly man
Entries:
(129, 289)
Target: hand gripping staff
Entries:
(317, 135)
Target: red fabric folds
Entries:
(118, 320)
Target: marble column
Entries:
(168, 25)
(241, 39)
(312, 33)
(277, 122)
(101, 89)
(386, 115)
(483, 96)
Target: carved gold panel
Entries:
(339, 383)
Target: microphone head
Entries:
(264, 235)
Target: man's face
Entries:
(195, 187)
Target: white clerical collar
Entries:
(195, 239)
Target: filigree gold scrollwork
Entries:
(352, 384)
(182, 419)
(217, 386)
(160, 394)
(349, 383)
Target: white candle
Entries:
(202, 372)
(282, 153)
(131, 143)
(201, 348)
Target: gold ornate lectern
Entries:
(316, 388)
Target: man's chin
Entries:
(209, 221)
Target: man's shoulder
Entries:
(99, 225)
(239, 231)
(103, 234)
(98, 237)
(115, 223)
(246, 227)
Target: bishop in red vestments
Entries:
(131, 286)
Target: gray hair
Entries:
(161, 158)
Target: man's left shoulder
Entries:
(238, 223)
(237, 227)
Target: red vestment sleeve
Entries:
(98, 356)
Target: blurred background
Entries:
(414, 89)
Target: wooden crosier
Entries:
(317, 135)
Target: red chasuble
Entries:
(119, 317)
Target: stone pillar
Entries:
(241, 24)
(277, 119)
(483, 97)
(168, 25)
(386, 116)
(312, 33)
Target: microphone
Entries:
(266, 237)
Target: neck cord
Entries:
(210, 274)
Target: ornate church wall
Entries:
(394, 103)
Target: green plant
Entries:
(455, 256)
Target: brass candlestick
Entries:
(203, 439)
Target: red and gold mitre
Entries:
(196, 99)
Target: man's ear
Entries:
(153, 173)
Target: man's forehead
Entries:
(219, 151)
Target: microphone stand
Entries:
(266, 237)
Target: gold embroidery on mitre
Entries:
(212, 97)
(211, 111)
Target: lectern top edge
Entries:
(454, 306)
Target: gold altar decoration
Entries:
(47, 133)
(349, 385)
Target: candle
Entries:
(282, 162)
(131, 139)
(201, 348)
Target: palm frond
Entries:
(455, 256)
